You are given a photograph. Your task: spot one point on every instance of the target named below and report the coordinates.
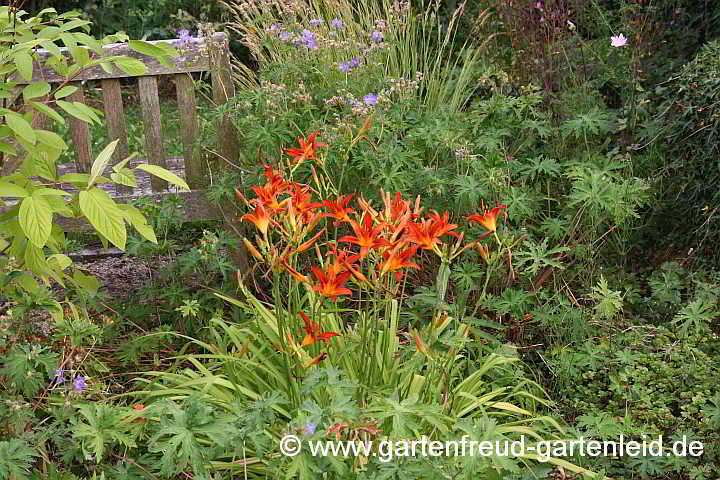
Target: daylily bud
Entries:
(421, 347)
(251, 248)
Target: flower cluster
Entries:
(59, 379)
(377, 241)
(348, 66)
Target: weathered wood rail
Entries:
(202, 54)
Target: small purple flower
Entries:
(344, 67)
(274, 27)
(376, 36)
(355, 62)
(79, 384)
(337, 24)
(538, 5)
(316, 21)
(59, 376)
(310, 428)
(284, 36)
(370, 99)
(184, 37)
(308, 39)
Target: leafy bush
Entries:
(644, 381)
(691, 122)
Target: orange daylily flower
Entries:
(366, 237)
(338, 209)
(307, 150)
(301, 201)
(398, 260)
(427, 233)
(260, 217)
(314, 332)
(267, 194)
(331, 285)
(275, 179)
(489, 218)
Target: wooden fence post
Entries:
(115, 118)
(227, 139)
(80, 133)
(150, 104)
(185, 91)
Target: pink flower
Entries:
(618, 40)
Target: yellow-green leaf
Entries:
(35, 217)
(164, 174)
(104, 215)
(35, 90)
(24, 63)
(65, 91)
(8, 189)
(20, 127)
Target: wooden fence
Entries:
(203, 54)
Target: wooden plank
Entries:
(80, 133)
(115, 119)
(193, 57)
(189, 123)
(150, 104)
(223, 89)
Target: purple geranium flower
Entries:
(316, 21)
(344, 67)
(79, 384)
(370, 99)
(310, 428)
(376, 37)
(275, 26)
(308, 39)
(184, 37)
(355, 62)
(59, 376)
(337, 23)
(285, 36)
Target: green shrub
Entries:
(645, 380)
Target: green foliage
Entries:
(28, 368)
(28, 224)
(16, 457)
(690, 125)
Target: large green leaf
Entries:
(164, 174)
(137, 220)
(79, 111)
(35, 217)
(20, 126)
(8, 189)
(37, 89)
(131, 66)
(101, 161)
(104, 215)
(65, 91)
(47, 111)
(24, 63)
